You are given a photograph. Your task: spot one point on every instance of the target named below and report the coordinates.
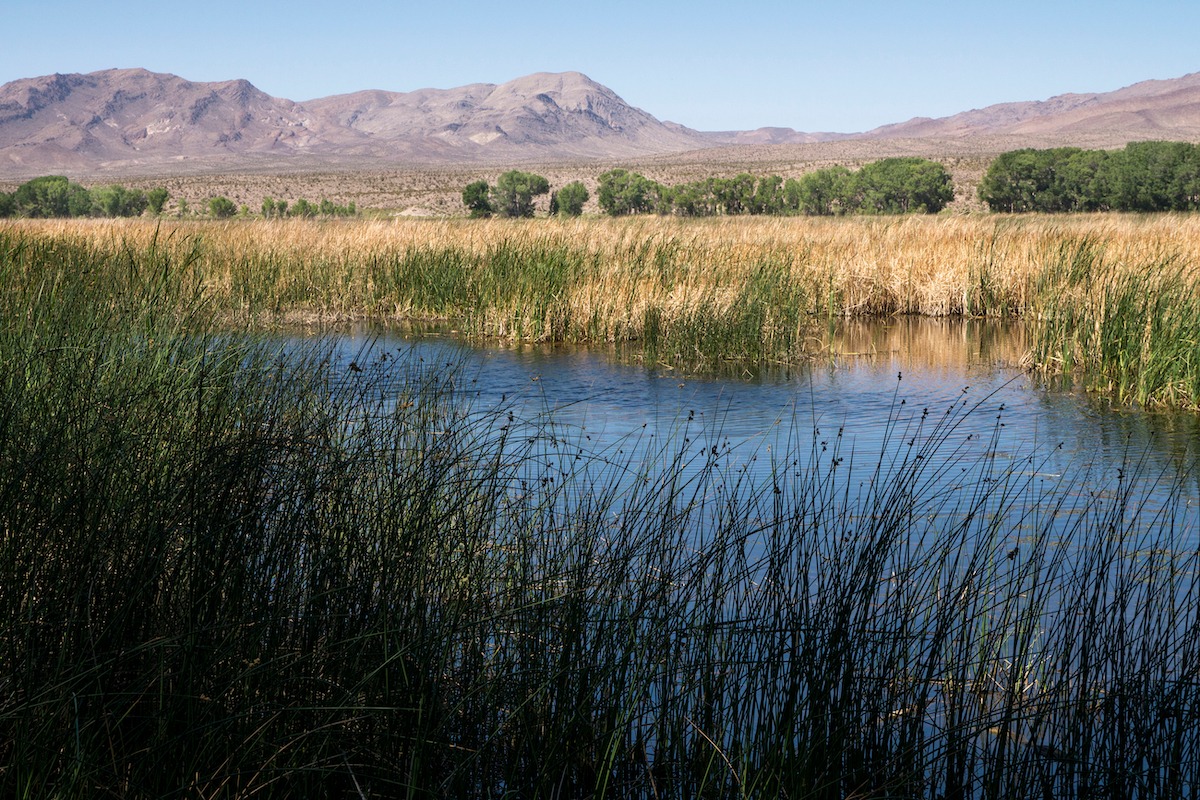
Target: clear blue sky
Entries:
(813, 66)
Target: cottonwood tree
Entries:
(476, 196)
(221, 207)
(622, 192)
(156, 198)
(570, 199)
(514, 192)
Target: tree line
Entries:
(1143, 176)
(889, 186)
(514, 193)
(55, 196)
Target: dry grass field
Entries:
(1111, 296)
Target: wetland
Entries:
(624, 508)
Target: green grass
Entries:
(229, 568)
(1132, 333)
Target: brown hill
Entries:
(563, 115)
(1160, 109)
(136, 122)
(137, 117)
(124, 120)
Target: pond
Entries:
(956, 385)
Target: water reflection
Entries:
(886, 383)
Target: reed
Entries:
(702, 292)
(229, 568)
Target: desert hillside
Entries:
(133, 122)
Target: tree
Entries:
(570, 199)
(622, 192)
(693, 199)
(791, 195)
(768, 196)
(117, 201)
(7, 206)
(825, 192)
(904, 185)
(303, 208)
(476, 196)
(268, 207)
(1152, 176)
(734, 195)
(51, 196)
(221, 207)
(514, 192)
(157, 198)
(1050, 181)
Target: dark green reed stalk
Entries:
(233, 569)
(1130, 331)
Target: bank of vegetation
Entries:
(54, 196)
(1110, 301)
(1141, 177)
(889, 186)
(234, 569)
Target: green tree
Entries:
(514, 192)
(734, 195)
(303, 208)
(156, 198)
(1153, 176)
(221, 207)
(117, 201)
(7, 206)
(571, 199)
(768, 196)
(693, 199)
(825, 192)
(904, 185)
(622, 192)
(476, 196)
(51, 196)
(1049, 181)
(791, 196)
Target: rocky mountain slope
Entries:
(132, 120)
(1160, 109)
(131, 117)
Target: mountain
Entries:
(131, 115)
(1159, 109)
(567, 113)
(132, 120)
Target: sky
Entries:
(812, 66)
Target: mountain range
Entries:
(130, 120)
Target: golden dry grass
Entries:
(709, 289)
(972, 265)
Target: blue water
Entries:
(985, 410)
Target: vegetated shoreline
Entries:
(230, 570)
(1111, 299)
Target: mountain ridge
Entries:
(126, 119)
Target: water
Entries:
(889, 384)
(1044, 463)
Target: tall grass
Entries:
(1110, 299)
(228, 569)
